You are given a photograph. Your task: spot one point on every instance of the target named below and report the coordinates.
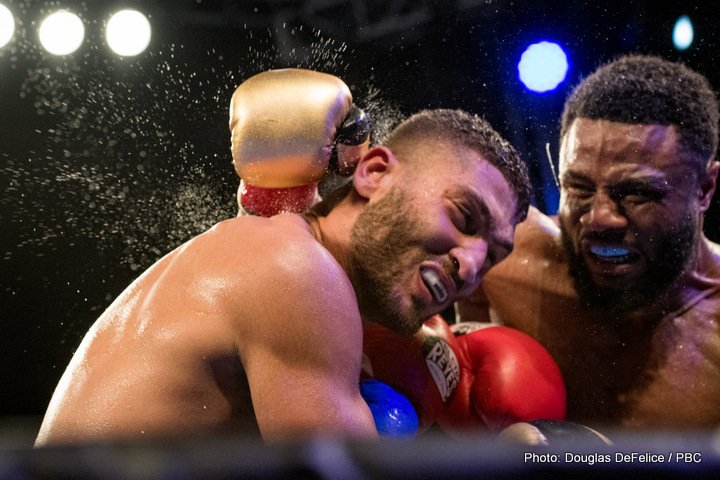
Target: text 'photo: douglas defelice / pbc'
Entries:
(483, 233)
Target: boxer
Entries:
(256, 325)
(625, 291)
(404, 382)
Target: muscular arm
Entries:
(302, 352)
(251, 308)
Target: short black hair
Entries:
(643, 89)
(471, 131)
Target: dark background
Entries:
(107, 163)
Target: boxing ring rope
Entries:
(657, 455)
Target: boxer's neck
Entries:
(701, 274)
(332, 227)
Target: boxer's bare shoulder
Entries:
(713, 260)
(298, 328)
(667, 377)
(539, 237)
(182, 345)
(275, 261)
(537, 253)
(682, 374)
(538, 221)
(536, 274)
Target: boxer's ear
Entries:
(708, 185)
(375, 171)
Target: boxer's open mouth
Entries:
(613, 253)
(433, 283)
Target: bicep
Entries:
(295, 397)
(303, 357)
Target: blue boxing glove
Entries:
(394, 415)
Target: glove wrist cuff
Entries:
(267, 202)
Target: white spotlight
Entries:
(61, 32)
(7, 25)
(683, 33)
(128, 33)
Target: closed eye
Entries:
(464, 219)
(469, 212)
(639, 194)
(578, 190)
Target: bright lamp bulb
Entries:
(61, 32)
(7, 25)
(128, 33)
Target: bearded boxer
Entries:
(625, 292)
(408, 381)
(256, 324)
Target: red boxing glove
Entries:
(505, 377)
(423, 366)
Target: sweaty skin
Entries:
(255, 325)
(243, 307)
(653, 366)
(667, 375)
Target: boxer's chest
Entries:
(670, 380)
(681, 386)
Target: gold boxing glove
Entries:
(287, 127)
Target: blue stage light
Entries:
(543, 66)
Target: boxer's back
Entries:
(167, 354)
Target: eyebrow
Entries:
(644, 181)
(574, 176)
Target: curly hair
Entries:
(642, 89)
(471, 131)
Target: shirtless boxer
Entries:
(625, 293)
(256, 324)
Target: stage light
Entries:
(128, 33)
(7, 25)
(542, 66)
(61, 32)
(683, 33)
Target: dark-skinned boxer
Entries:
(625, 292)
